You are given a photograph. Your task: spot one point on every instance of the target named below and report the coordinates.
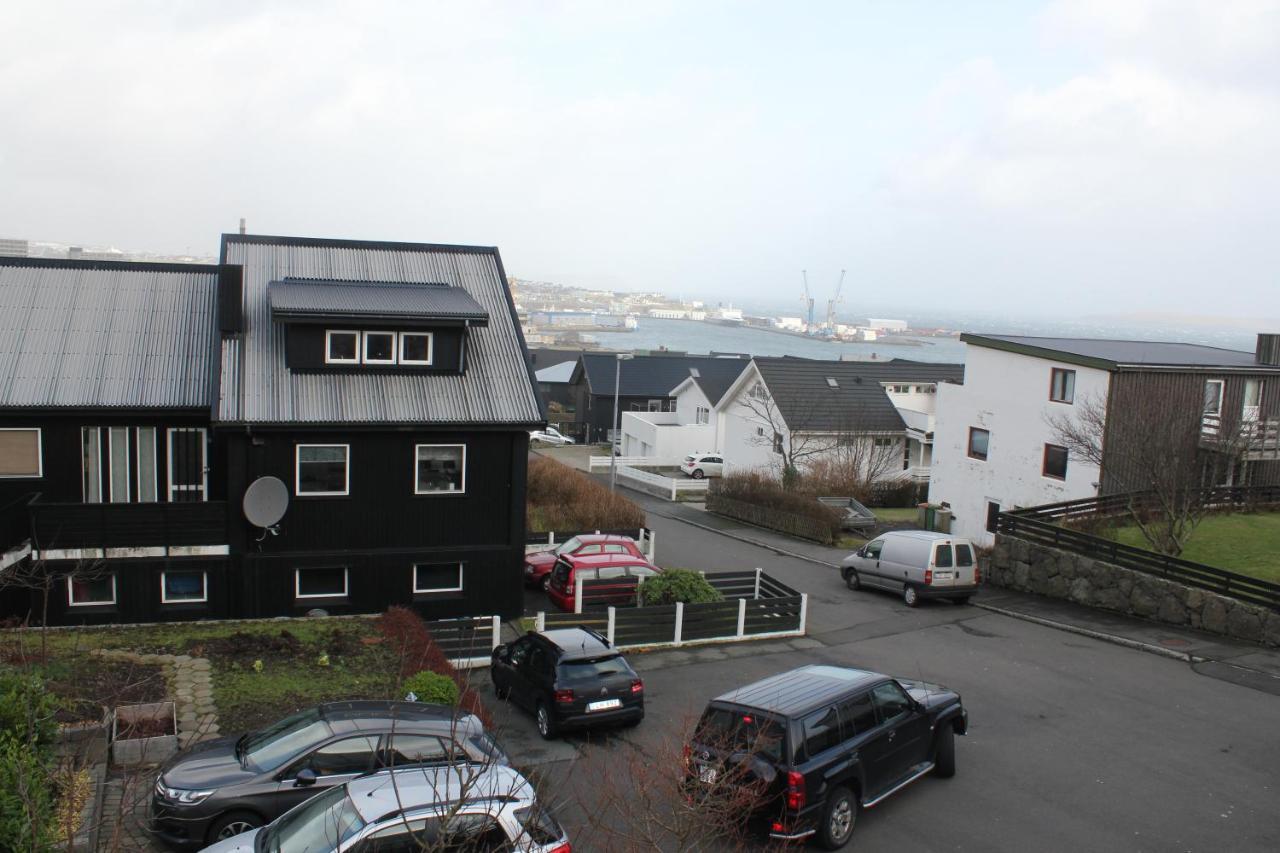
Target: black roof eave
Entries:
(375, 426)
(1038, 352)
(389, 245)
(130, 266)
(320, 317)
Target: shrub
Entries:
(26, 711)
(560, 498)
(432, 687)
(409, 638)
(27, 731)
(678, 585)
(777, 508)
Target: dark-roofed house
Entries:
(383, 388)
(875, 416)
(997, 445)
(646, 383)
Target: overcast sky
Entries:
(1080, 156)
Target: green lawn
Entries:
(356, 663)
(1248, 543)
(894, 513)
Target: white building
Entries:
(884, 325)
(790, 324)
(691, 426)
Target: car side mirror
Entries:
(306, 777)
(502, 652)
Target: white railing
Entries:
(597, 462)
(669, 487)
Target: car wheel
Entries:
(232, 824)
(838, 819)
(546, 725)
(964, 599)
(909, 596)
(944, 758)
(697, 474)
(851, 579)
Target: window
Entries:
(183, 587)
(1252, 405)
(85, 592)
(341, 347)
(759, 391)
(416, 749)
(415, 347)
(703, 415)
(322, 469)
(145, 442)
(1062, 385)
(20, 453)
(993, 514)
(857, 715)
(1213, 397)
(886, 442)
(964, 556)
(874, 549)
(821, 731)
(979, 443)
(942, 557)
(379, 347)
(760, 432)
(777, 442)
(611, 573)
(655, 405)
(442, 469)
(91, 464)
(118, 450)
(345, 757)
(890, 700)
(1055, 462)
(437, 577)
(320, 583)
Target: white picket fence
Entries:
(598, 462)
(668, 487)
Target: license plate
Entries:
(604, 705)
(943, 576)
(707, 775)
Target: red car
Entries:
(537, 566)
(624, 568)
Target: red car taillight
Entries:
(637, 686)
(795, 791)
(563, 848)
(564, 697)
(977, 573)
(928, 576)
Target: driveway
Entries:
(1074, 744)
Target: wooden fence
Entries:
(467, 642)
(756, 605)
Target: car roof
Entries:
(590, 561)
(576, 642)
(381, 795)
(376, 713)
(926, 535)
(799, 691)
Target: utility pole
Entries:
(614, 443)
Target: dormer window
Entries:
(341, 347)
(379, 347)
(415, 348)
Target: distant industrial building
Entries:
(883, 325)
(77, 253)
(14, 248)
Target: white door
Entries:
(188, 464)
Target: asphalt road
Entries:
(1074, 744)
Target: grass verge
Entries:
(1246, 543)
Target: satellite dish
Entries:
(265, 501)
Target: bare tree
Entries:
(42, 581)
(1162, 456)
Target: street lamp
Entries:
(613, 439)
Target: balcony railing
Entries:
(1256, 438)
(127, 525)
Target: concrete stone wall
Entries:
(1031, 567)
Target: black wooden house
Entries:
(387, 385)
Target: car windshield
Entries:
(276, 744)
(569, 546)
(740, 731)
(578, 670)
(317, 826)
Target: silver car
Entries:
(915, 564)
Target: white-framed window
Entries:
(144, 440)
(1213, 396)
(21, 452)
(437, 577)
(440, 469)
(118, 454)
(379, 347)
(91, 591)
(703, 415)
(328, 582)
(341, 346)
(322, 469)
(184, 587)
(416, 348)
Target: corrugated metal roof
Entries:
(107, 335)
(843, 396)
(1110, 354)
(497, 386)
(373, 299)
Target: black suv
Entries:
(568, 678)
(220, 788)
(822, 742)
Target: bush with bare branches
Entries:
(560, 498)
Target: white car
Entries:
(550, 435)
(699, 465)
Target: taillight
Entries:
(637, 686)
(977, 573)
(563, 848)
(795, 791)
(564, 697)
(928, 576)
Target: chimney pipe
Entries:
(241, 224)
(1268, 351)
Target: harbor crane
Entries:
(807, 301)
(830, 327)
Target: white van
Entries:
(915, 564)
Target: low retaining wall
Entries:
(1031, 567)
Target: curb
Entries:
(767, 546)
(1185, 657)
